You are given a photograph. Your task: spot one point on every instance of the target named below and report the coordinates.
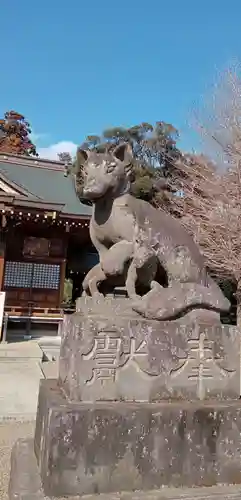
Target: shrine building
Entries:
(44, 238)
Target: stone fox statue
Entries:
(116, 214)
(126, 273)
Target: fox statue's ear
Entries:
(123, 152)
(82, 156)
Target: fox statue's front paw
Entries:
(97, 295)
(156, 286)
(149, 304)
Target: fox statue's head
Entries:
(106, 174)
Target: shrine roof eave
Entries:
(9, 201)
(44, 182)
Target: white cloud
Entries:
(51, 152)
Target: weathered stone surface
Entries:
(25, 481)
(109, 353)
(129, 234)
(31, 490)
(84, 448)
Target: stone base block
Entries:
(25, 484)
(110, 353)
(84, 448)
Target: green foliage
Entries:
(143, 187)
(155, 146)
(68, 291)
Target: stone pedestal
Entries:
(110, 353)
(25, 484)
(139, 404)
(83, 448)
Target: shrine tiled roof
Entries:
(42, 180)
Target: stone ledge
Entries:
(50, 369)
(21, 351)
(25, 484)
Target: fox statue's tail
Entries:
(172, 302)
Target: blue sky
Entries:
(74, 68)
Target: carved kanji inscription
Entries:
(200, 365)
(105, 357)
(124, 359)
(110, 352)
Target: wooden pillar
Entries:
(2, 257)
(1, 272)
(62, 280)
(4, 320)
(65, 237)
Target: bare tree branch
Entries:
(210, 207)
